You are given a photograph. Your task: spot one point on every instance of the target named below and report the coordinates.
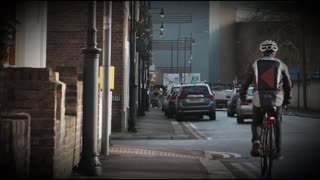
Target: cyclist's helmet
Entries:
(268, 45)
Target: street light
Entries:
(161, 27)
(162, 13)
(161, 34)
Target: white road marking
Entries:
(194, 131)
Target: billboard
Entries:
(170, 78)
(190, 77)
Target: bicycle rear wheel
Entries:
(263, 155)
(268, 151)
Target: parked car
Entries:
(171, 105)
(232, 102)
(244, 111)
(195, 99)
(221, 95)
(169, 101)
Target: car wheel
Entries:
(212, 116)
(170, 114)
(179, 117)
(239, 120)
(228, 113)
(231, 114)
(166, 113)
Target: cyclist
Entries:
(272, 87)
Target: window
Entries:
(194, 90)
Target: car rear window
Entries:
(194, 90)
(250, 92)
(174, 89)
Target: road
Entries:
(301, 145)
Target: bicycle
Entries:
(268, 147)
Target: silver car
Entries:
(195, 99)
(244, 111)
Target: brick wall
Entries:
(67, 23)
(66, 36)
(38, 92)
(69, 152)
(117, 55)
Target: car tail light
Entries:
(172, 99)
(244, 103)
(181, 97)
(209, 96)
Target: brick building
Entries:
(46, 79)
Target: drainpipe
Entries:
(143, 97)
(139, 85)
(107, 108)
(89, 162)
(304, 57)
(133, 86)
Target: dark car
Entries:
(232, 102)
(195, 99)
(171, 105)
(169, 101)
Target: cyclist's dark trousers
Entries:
(257, 118)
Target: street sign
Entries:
(152, 67)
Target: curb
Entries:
(216, 170)
(179, 134)
(301, 115)
(148, 137)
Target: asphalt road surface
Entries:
(300, 137)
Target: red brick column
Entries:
(55, 143)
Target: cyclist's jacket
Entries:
(271, 81)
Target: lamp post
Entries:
(184, 59)
(178, 51)
(190, 60)
(171, 55)
(89, 162)
(133, 85)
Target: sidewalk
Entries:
(129, 162)
(154, 125)
(301, 113)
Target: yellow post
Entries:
(111, 77)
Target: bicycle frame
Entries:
(268, 147)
